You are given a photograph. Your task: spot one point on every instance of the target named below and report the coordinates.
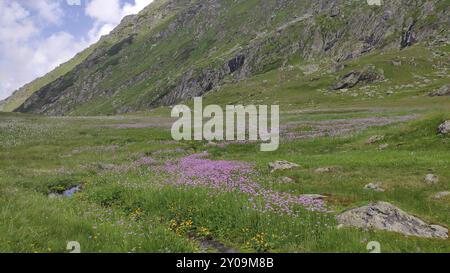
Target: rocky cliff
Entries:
(176, 49)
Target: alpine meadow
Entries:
(356, 92)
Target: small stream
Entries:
(69, 193)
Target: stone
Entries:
(431, 179)
(396, 63)
(441, 194)
(388, 15)
(387, 217)
(369, 74)
(313, 196)
(335, 11)
(444, 128)
(325, 170)
(281, 165)
(374, 187)
(408, 35)
(443, 91)
(375, 139)
(285, 180)
(383, 146)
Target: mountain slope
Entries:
(23, 93)
(174, 50)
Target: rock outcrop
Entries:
(282, 165)
(174, 50)
(387, 217)
(443, 91)
(369, 74)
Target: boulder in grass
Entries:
(431, 179)
(324, 170)
(282, 165)
(374, 187)
(383, 147)
(285, 180)
(443, 91)
(369, 74)
(375, 139)
(441, 194)
(444, 128)
(387, 217)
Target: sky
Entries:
(38, 35)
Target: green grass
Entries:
(136, 211)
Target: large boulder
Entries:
(369, 74)
(387, 217)
(444, 128)
(431, 179)
(443, 91)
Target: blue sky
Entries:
(38, 35)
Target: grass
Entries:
(135, 210)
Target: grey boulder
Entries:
(444, 128)
(387, 217)
(282, 165)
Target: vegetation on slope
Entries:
(175, 50)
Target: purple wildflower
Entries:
(226, 176)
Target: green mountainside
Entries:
(174, 50)
(22, 94)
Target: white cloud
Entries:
(136, 8)
(48, 10)
(15, 24)
(107, 14)
(104, 11)
(25, 53)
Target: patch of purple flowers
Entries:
(225, 176)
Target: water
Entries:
(70, 192)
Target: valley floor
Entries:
(140, 191)
(121, 184)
